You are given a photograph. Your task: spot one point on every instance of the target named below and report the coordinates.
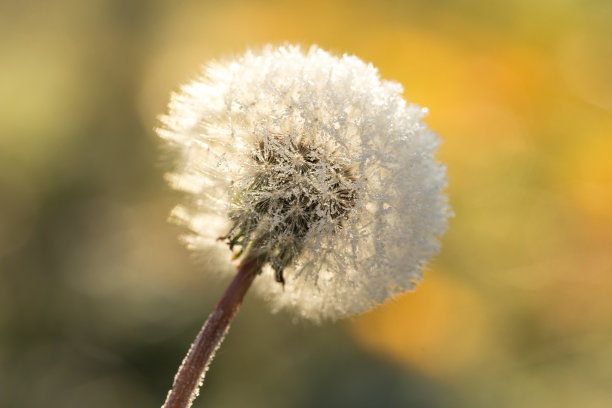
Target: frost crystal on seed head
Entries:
(298, 189)
(317, 163)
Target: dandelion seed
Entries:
(315, 167)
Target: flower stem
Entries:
(190, 375)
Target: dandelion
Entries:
(313, 173)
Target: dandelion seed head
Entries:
(320, 164)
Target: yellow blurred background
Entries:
(99, 302)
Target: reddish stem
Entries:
(192, 370)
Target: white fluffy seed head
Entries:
(318, 161)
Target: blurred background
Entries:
(99, 302)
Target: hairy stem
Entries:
(191, 372)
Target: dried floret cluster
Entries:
(316, 163)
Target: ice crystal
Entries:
(317, 163)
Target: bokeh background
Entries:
(99, 301)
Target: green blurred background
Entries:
(99, 302)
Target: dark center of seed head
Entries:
(296, 187)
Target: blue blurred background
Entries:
(99, 302)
